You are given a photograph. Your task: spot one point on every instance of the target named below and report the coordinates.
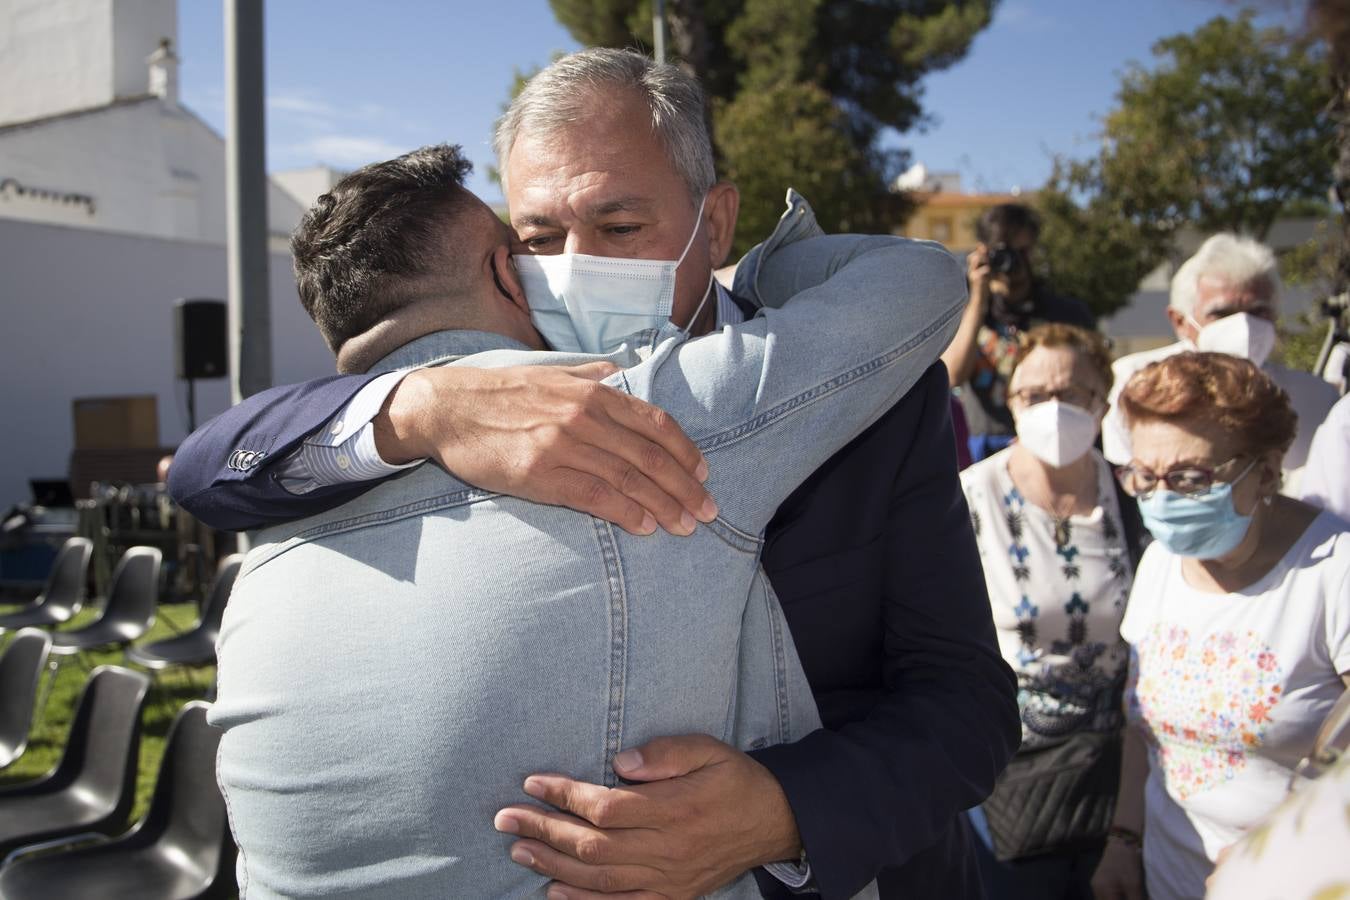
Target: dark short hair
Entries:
(378, 240)
(999, 222)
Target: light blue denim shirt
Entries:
(392, 670)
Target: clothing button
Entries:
(337, 427)
(343, 461)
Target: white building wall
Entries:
(150, 167)
(62, 55)
(137, 28)
(88, 313)
(305, 185)
(55, 56)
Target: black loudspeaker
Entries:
(200, 349)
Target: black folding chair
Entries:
(92, 788)
(128, 613)
(181, 849)
(20, 670)
(63, 594)
(196, 647)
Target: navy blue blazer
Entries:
(876, 566)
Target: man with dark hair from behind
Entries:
(1006, 299)
(349, 273)
(508, 636)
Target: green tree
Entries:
(1090, 247)
(1225, 133)
(802, 91)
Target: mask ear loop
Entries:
(708, 292)
(698, 223)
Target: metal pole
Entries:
(659, 30)
(250, 314)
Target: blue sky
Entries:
(350, 82)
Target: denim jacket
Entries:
(391, 670)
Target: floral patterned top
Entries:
(1058, 590)
(1229, 690)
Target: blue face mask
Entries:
(1203, 527)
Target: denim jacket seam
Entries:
(380, 517)
(725, 438)
(734, 537)
(779, 666)
(618, 646)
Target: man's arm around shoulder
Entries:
(222, 472)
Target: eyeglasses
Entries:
(1192, 481)
(1074, 396)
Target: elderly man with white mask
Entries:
(1225, 299)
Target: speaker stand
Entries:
(192, 405)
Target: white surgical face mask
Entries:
(1056, 433)
(589, 304)
(1241, 334)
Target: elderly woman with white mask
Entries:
(1238, 623)
(1056, 543)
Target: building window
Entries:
(940, 230)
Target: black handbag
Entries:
(1056, 798)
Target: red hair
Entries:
(1217, 389)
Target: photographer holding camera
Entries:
(1006, 299)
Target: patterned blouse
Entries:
(1058, 589)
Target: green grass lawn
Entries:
(165, 699)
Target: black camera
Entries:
(1004, 260)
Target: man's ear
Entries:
(507, 279)
(721, 209)
(1185, 331)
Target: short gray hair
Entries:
(557, 97)
(1238, 259)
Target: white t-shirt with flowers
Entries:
(1229, 691)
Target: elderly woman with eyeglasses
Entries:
(1055, 536)
(1238, 623)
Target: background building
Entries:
(112, 206)
(946, 213)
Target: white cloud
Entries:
(302, 104)
(307, 128)
(348, 150)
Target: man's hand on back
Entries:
(706, 814)
(551, 435)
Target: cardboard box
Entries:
(116, 423)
